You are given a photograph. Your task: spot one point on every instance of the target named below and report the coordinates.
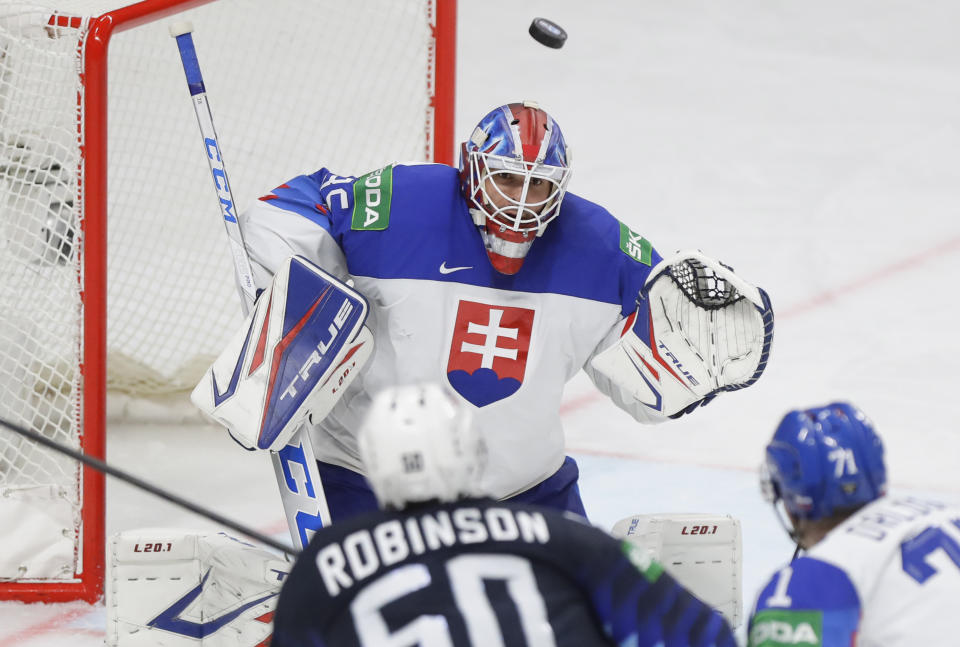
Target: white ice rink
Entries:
(814, 145)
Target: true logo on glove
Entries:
(676, 363)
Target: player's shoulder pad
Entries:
(302, 195)
(323, 196)
(373, 192)
(809, 601)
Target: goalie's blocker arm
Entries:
(297, 351)
(698, 330)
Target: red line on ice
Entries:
(50, 626)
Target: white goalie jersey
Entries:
(440, 313)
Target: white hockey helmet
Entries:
(418, 444)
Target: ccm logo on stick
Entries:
(303, 373)
(219, 178)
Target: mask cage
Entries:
(518, 215)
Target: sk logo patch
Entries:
(488, 353)
(635, 246)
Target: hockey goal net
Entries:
(114, 267)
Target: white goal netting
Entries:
(293, 84)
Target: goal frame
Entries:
(92, 190)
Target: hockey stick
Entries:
(296, 469)
(105, 468)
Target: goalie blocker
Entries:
(698, 330)
(298, 350)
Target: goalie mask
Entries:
(417, 444)
(822, 461)
(514, 172)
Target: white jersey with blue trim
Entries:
(889, 575)
(439, 311)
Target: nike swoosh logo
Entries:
(447, 270)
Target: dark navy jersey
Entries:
(481, 573)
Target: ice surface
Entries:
(814, 146)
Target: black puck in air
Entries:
(548, 33)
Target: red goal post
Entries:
(112, 254)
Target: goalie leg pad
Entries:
(175, 588)
(298, 350)
(701, 551)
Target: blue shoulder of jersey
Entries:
(806, 602)
(587, 252)
(308, 195)
(411, 221)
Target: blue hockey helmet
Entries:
(519, 146)
(823, 460)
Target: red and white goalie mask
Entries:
(514, 172)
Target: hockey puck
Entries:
(548, 33)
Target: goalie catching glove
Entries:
(698, 330)
(298, 350)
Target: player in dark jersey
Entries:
(442, 566)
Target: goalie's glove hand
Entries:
(698, 330)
